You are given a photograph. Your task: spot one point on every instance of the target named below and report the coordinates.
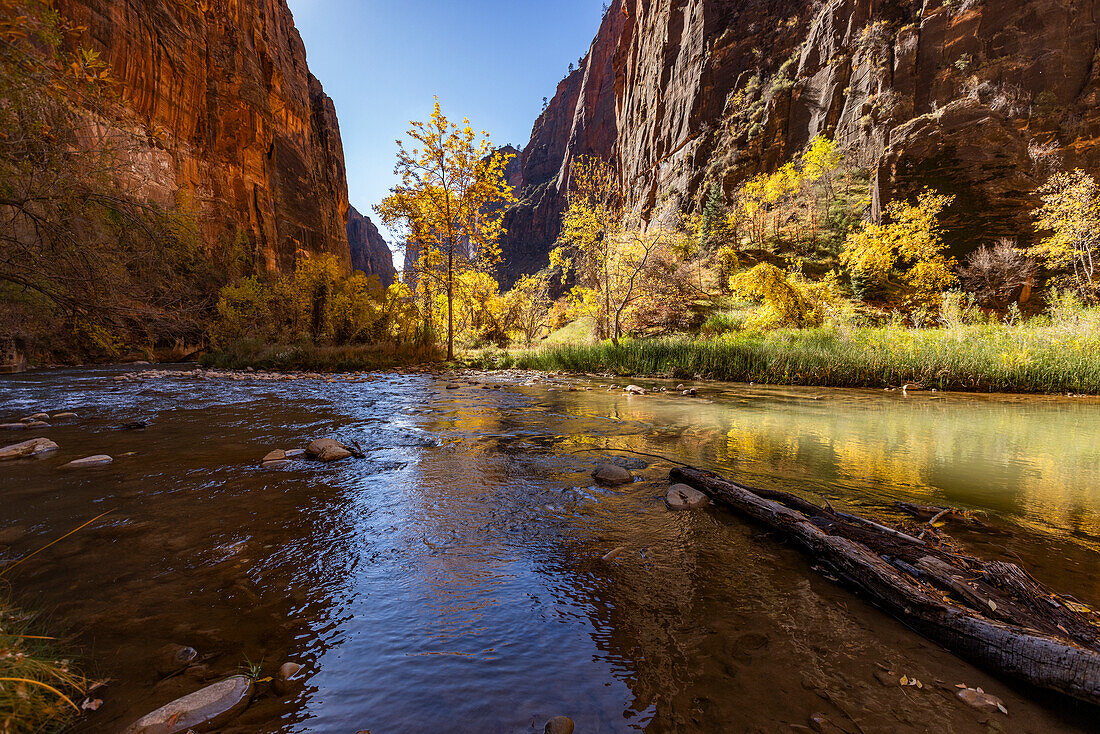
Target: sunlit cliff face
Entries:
(234, 127)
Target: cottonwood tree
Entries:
(450, 202)
(908, 247)
(603, 246)
(528, 304)
(1070, 214)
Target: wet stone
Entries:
(981, 700)
(288, 678)
(294, 453)
(171, 658)
(612, 474)
(64, 416)
(321, 444)
(12, 426)
(683, 497)
(333, 453)
(87, 461)
(34, 447)
(37, 424)
(276, 464)
(204, 709)
(559, 725)
(276, 455)
(634, 390)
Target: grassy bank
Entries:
(313, 358)
(39, 690)
(1037, 357)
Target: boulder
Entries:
(205, 709)
(612, 475)
(276, 455)
(34, 447)
(97, 460)
(683, 497)
(321, 444)
(559, 725)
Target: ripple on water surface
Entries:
(452, 580)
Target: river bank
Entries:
(1048, 359)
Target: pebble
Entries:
(205, 709)
(683, 497)
(97, 460)
(981, 700)
(612, 474)
(559, 725)
(171, 658)
(34, 447)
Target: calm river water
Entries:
(452, 580)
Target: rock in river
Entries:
(34, 447)
(328, 449)
(612, 474)
(171, 658)
(634, 390)
(559, 725)
(276, 455)
(288, 678)
(205, 709)
(683, 497)
(97, 460)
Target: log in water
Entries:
(992, 613)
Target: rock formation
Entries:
(235, 126)
(369, 252)
(977, 98)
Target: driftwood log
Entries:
(992, 613)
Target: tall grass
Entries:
(1041, 356)
(39, 691)
(315, 358)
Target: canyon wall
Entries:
(231, 124)
(369, 252)
(976, 98)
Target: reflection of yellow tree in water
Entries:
(1035, 459)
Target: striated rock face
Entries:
(977, 98)
(369, 252)
(237, 128)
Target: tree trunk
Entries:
(450, 301)
(1003, 620)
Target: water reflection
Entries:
(453, 581)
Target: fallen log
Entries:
(994, 614)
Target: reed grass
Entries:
(317, 358)
(1041, 356)
(39, 690)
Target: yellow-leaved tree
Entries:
(450, 203)
(607, 252)
(1071, 214)
(909, 245)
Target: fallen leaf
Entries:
(905, 680)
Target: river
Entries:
(452, 580)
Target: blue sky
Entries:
(382, 61)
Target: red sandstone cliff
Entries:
(369, 252)
(237, 128)
(976, 98)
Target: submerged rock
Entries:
(611, 555)
(288, 678)
(559, 725)
(64, 416)
(612, 474)
(12, 426)
(37, 424)
(34, 447)
(205, 709)
(683, 497)
(276, 464)
(97, 460)
(171, 658)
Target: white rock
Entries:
(635, 390)
(34, 447)
(205, 709)
(97, 460)
(683, 497)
